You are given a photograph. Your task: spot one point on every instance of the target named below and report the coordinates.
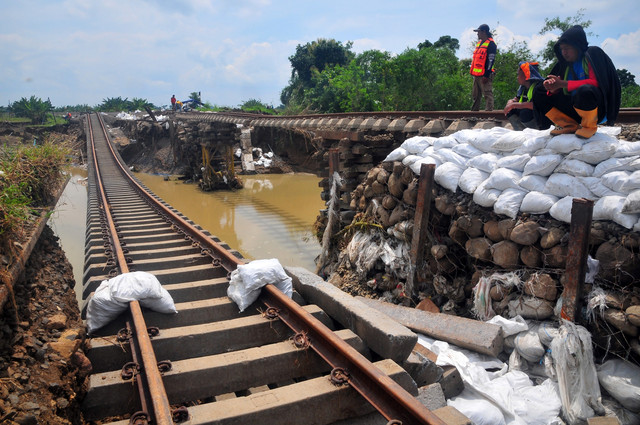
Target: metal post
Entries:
(420, 224)
(576, 266)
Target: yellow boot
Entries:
(589, 123)
(564, 123)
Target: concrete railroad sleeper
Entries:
(277, 359)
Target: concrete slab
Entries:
(478, 336)
(452, 416)
(451, 382)
(384, 336)
(432, 397)
(293, 404)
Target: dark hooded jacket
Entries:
(605, 71)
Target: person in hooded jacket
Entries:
(519, 110)
(582, 90)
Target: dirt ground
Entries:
(42, 365)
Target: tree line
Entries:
(327, 76)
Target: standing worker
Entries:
(519, 110)
(583, 87)
(173, 102)
(482, 70)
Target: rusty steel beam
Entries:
(420, 226)
(576, 266)
(386, 395)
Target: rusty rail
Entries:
(391, 400)
(162, 414)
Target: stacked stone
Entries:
(534, 246)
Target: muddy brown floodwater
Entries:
(271, 217)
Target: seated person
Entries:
(583, 87)
(519, 110)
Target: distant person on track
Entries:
(173, 102)
(519, 110)
(583, 87)
(482, 70)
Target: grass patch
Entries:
(29, 176)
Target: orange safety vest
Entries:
(480, 57)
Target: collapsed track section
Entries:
(277, 362)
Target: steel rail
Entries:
(625, 116)
(157, 393)
(389, 398)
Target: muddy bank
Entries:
(42, 363)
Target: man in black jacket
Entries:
(583, 87)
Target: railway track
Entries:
(277, 362)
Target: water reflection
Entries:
(270, 218)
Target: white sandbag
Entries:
(577, 379)
(477, 408)
(102, 309)
(447, 175)
(471, 178)
(538, 203)
(532, 145)
(485, 162)
(595, 152)
(484, 196)
(134, 286)
(410, 159)
(448, 155)
(247, 281)
(542, 165)
(164, 304)
(615, 180)
(614, 205)
(528, 344)
(397, 154)
(575, 168)
(509, 141)
(113, 296)
(614, 164)
(546, 332)
(504, 178)
(514, 162)
(444, 142)
(508, 203)
(565, 143)
(624, 149)
(561, 210)
(485, 139)
(594, 184)
(533, 183)
(621, 379)
(467, 135)
(632, 203)
(609, 130)
(606, 207)
(430, 151)
(632, 183)
(415, 145)
(467, 150)
(510, 326)
(416, 166)
(562, 185)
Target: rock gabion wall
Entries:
(520, 260)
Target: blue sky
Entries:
(82, 51)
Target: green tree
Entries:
(550, 25)
(139, 104)
(114, 104)
(444, 41)
(630, 97)
(195, 95)
(627, 79)
(505, 82)
(313, 57)
(33, 108)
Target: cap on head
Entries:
(483, 27)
